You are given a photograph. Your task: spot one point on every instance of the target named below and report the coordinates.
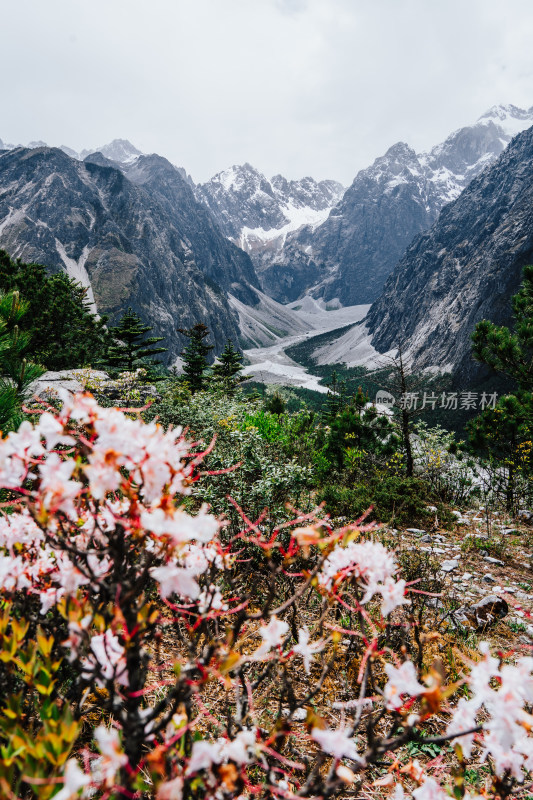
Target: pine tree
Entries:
(336, 397)
(510, 353)
(16, 370)
(275, 404)
(131, 349)
(227, 367)
(64, 333)
(504, 434)
(195, 356)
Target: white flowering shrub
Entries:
(451, 476)
(160, 669)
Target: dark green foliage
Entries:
(336, 397)
(16, 370)
(227, 368)
(504, 434)
(395, 499)
(510, 352)
(275, 404)
(63, 333)
(359, 429)
(131, 349)
(195, 356)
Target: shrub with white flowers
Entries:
(146, 653)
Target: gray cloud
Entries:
(301, 87)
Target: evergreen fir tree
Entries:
(64, 333)
(275, 404)
(336, 397)
(131, 349)
(504, 434)
(195, 356)
(510, 353)
(16, 370)
(227, 367)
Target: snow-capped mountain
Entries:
(253, 210)
(464, 269)
(350, 255)
(119, 150)
(133, 235)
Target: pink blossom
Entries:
(272, 635)
(13, 574)
(109, 655)
(401, 681)
(74, 780)
(51, 429)
(463, 719)
(393, 593)
(241, 748)
(336, 742)
(211, 599)
(373, 565)
(113, 757)
(57, 491)
(204, 754)
(306, 650)
(171, 790)
(430, 790)
(179, 526)
(173, 579)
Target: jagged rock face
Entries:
(139, 240)
(355, 249)
(351, 254)
(119, 150)
(219, 260)
(466, 268)
(247, 205)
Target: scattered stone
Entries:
(449, 565)
(417, 531)
(49, 384)
(487, 578)
(493, 560)
(432, 509)
(300, 715)
(426, 538)
(488, 611)
(509, 531)
(467, 576)
(526, 516)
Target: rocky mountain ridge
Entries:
(464, 269)
(133, 235)
(350, 255)
(251, 209)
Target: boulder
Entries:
(481, 615)
(73, 380)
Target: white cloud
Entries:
(299, 87)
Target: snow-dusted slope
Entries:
(254, 211)
(350, 255)
(119, 150)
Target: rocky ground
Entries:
(485, 566)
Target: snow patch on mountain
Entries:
(13, 218)
(76, 270)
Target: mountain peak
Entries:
(510, 119)
(400, 150)
(120, 150)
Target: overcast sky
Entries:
(300, 87)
